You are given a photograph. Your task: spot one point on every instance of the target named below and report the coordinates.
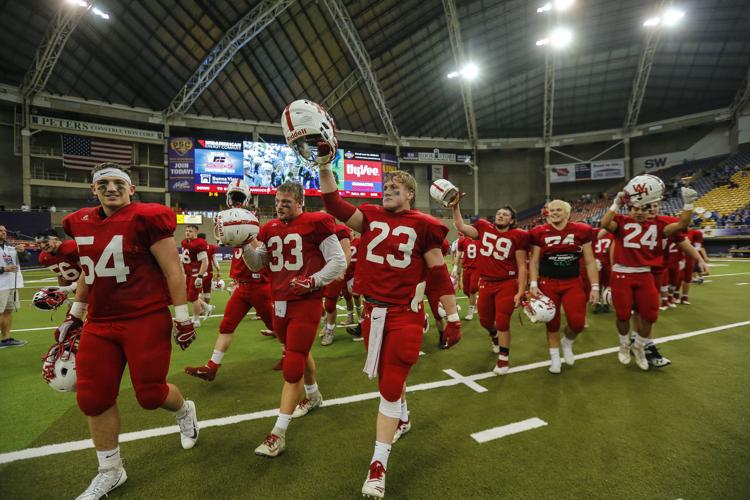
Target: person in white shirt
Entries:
(10, 281)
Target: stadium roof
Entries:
(148, 50)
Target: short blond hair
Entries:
(407, 180)
(564, 204)
(295, 189)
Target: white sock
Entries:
(311, 389)
(568, 343)
(330, 326)
(196, 317)
(404, 411)
(183, 410)
(217, 356)
(381, 453)
(641, 341)
(624, 340)
(471, 308)
(633, 335)
(109, 459)
(282, 423)
(554, 354)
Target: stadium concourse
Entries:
(484, 248)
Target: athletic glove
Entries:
(325, 155)
(452, 334)
(688, 197)
(303, 285)
(198, 283)
(184, 333)
(617, 202)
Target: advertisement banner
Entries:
(389, 162)
(95, 129)
(608, 169)
(435, 156)
(438, 172)
(587, 171)
(562, 173)
(181, 164)
(583, 171)
(362, 172)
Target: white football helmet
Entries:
(235, 226)
(236, 188)
(59, 364)
(49, 299)
(305, 123)
(606, 296)
(218, 285)
(444, 192)
(642, 190)
(538, 309)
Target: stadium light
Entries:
(77, 3)
(560, 38)
(453, 74)
(544, 8)
(470, 71)
(558, 5)
(99, 13)
(668, 18)
(652, 21)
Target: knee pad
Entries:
(151, 396)
(92, 404)
(294, 366)
(330, 305)
(392, 380)
(390, 409)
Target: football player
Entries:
(433, 299)
(251, 290)
(213, 272)
(302, 253)
(60, 257)
(131, 273)
(601, 242)
(500, 251)
(554, 270)
(695, 236)
(333, 290)
(638, 247)
(468, 274)
(194, 257)
(354, 331)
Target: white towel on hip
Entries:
(375, 342)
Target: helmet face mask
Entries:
(642, 190)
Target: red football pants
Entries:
(675, 275)
(495, 303)
(207, 281)
(143, 343)
(332, 292)
(193, 293)
(635, 289)
(687, 276)
(470, 280)
(604, 277)
(569, 294)
(402, 341)
(244, 297)
(297, 331)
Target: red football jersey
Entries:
(343, 232)
(496, 259)
(241, 273)
(470, 250)
(445, 247)
(560, 249)
(640, 244)
(601, 246)
(64, 262)
(124, 279)
(392, 249)
(189, 255)
(353, 260)
(696, 238)
(293, 250)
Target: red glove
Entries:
(70, 324)
(184, 333)
(452, 334)
(303, 285)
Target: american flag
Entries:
(84, 153)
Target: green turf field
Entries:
(612, 431)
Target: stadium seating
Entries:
(725, 200)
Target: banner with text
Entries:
(587, 171)
(181, 164)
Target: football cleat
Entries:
(267, 333)
(374, 486)
(501, 367)
(470, 314)
(188, 427)
(568, 355)
(104, 482)
(207, 313)
(404, 426)
(684, 300)
(495, 344)
(555, 366)
(196, 323)
(355, 331)
(624, 354)
(205, 372)
(655, 358)
(327, 337)
(306, 406)
(640, 355)
(272, 446)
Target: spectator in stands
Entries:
(10, 281)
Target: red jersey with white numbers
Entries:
(343, 232)
(640, 244)
(496, 250)
(560, 249)
(601, 246)
(243, 274)
(293, 250)
(122, 275)
(354, 248)
(391, 252)
(64, 262)
(189, 255)
(470, 250)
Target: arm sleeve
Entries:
(255, 258)
(338, 207)
(335, 261)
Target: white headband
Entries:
(112, 172)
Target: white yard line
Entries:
(54, 449)
(508, 429)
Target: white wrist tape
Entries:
(595, 286)
(614, 207)
(181, 313)
(533, 284)
(78, 309)
(452, 318)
